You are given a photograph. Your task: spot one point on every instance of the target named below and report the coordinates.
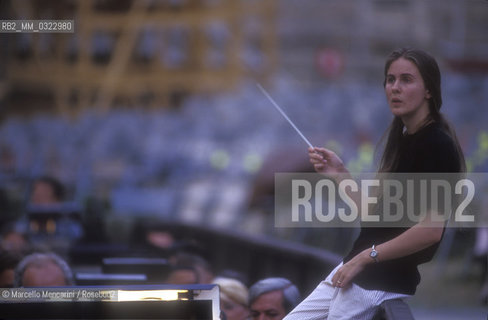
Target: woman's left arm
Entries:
(416, 238)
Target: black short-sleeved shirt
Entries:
(429, 150)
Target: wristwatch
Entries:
(374, 254)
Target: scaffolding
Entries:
(139, 53)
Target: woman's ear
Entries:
(427, 94)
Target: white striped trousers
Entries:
(327, 302)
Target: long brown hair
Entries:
(429, 70)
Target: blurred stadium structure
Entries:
(139, 52)
(154, 53)
(151, 106)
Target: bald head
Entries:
(46, 274)
(43, 270)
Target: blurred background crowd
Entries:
(142, 134)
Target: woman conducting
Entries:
(382, 263)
